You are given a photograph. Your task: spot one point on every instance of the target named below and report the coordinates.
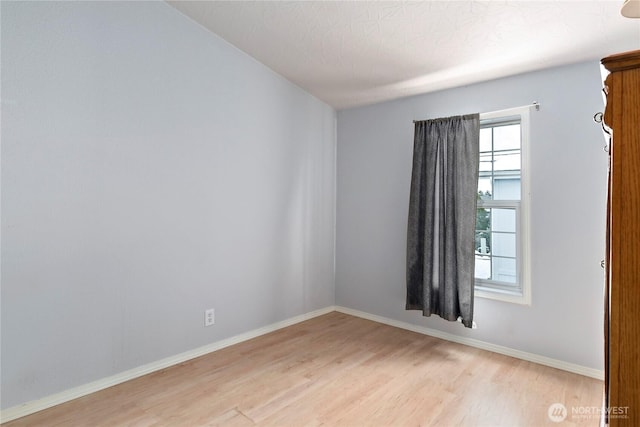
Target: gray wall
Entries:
(568, 191)
(149, 171)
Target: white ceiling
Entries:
(361, 52)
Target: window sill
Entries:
(505, 296)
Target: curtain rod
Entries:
(535, 104)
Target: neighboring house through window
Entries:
(502, 221)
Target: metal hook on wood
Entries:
(597, 117)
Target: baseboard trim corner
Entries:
(37, 405)
(507, 351)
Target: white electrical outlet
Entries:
(209, 317)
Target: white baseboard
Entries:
(530, 357)
(85, 389)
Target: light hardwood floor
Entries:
(336, 370)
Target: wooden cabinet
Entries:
(622, 311)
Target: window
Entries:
(502, 227)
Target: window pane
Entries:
(485, 189)
(504, 269)
(506, 137)
(503, 244)
(486, 162)
(483, 231)
(504, 219)
(506, 161)
(485, 139)
(495, 244)
(506, 188)
(483, 267)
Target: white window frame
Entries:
(483, 288)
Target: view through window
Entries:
(497, 249)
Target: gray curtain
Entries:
(442, 216)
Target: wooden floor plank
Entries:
(336, 370)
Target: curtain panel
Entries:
(442, 214)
